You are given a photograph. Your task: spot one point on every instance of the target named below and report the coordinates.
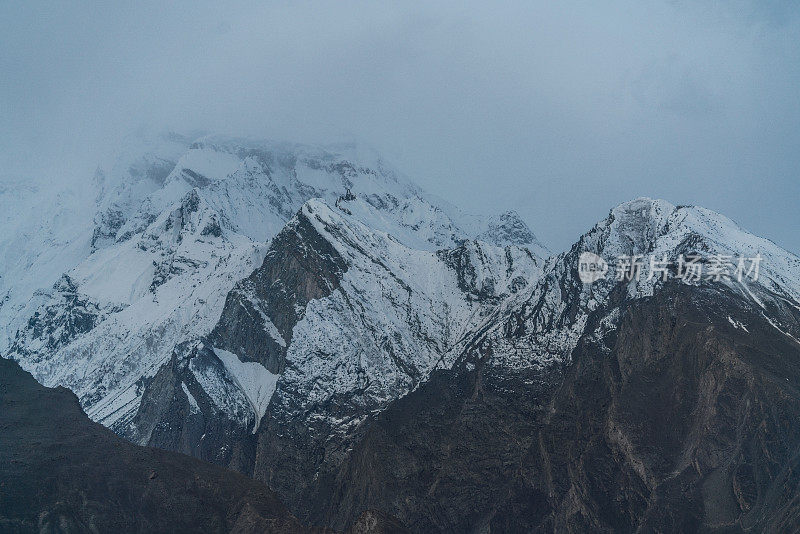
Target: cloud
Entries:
(557, 110)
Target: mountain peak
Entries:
(648, 228)
(508, 228)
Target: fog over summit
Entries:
(555, 112)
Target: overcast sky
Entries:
(559, 110)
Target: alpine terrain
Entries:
(309, 317)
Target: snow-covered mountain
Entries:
(180, 226)
(44, 234)
(554, 316)
(376, 361)
(310, 317)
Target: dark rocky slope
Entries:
(61, 472)
(676, 421)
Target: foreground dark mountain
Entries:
(61, 472)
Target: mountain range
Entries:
(311, 318)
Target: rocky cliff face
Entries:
(262, 310)
(677, 420)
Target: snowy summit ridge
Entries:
(178, 222)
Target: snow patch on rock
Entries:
(253, 379)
